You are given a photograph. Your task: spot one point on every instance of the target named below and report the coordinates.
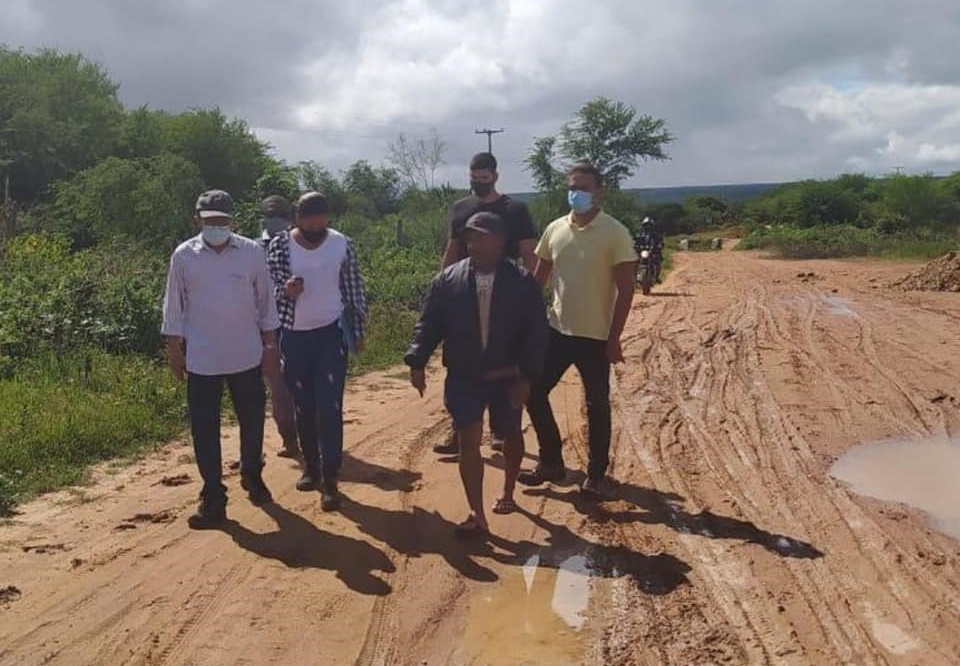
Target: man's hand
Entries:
(519, 392)
(270, 363)
(418, 380)
(177, 359)
(293, 288)
(614, 351)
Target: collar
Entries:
(573, 223)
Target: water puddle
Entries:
(533, 616)
(920, 473)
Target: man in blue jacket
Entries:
(490, 316)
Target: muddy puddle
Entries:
(534, 615)
(920, 473)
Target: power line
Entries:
(489, 133)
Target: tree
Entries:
(147, 199)
(540, 164)
(228, 154)
(608, 134)
(418, 160)
(59, 113)
(380, 185)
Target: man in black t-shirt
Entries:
(521, 239)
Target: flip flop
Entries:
(504, 506)
(470, 528)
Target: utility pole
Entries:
(489, 133)
(898, 170)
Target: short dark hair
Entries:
(587, 169)
(483, 162)
(313, 203)
(276, 206)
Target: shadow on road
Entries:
(298, 543)
(660, 508)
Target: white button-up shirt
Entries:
(220, 302)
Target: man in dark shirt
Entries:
(490, 317)
(521, 240)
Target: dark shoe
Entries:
(256, 489)
(450, 447)
(330, 497)
(496, 443)
(542, 474)
(309, 481)
(593, 488)
(210, 514)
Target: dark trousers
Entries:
(315, 368)
(204, 396)
(590, 358)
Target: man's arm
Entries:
(174, 308)
(453, 253)
(535, 330)
(429, 331)
(528, 254)
(542, 271)
(354, 295)
(624, 277)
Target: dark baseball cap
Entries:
(487, 223)
(313, 203)
(215, 203)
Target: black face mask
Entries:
(481, 189)
(313, 236)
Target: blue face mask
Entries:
(215, 236)
(580, 201)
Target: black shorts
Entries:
(466, 399)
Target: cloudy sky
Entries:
(754, 90)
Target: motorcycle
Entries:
(646, 274)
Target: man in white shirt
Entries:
(221, 324)
(323, 312)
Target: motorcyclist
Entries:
(650, 239)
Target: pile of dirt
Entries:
(941, 274)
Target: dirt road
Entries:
(728, 542)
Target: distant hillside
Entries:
(658, 195)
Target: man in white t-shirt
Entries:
(323, 311)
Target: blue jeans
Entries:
(315, 369)
(204, 393)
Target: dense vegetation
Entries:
(910, 216)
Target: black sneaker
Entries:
(542, 474)
(210, 514)
(310, 480)
(593, 488)
(450, 446)
(330, 496)
(256, 489)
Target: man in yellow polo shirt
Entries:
(589, 260)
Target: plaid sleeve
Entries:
(352, 291)
(278, 261)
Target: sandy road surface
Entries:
(728, 542)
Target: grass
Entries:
(58, 415)
(847, 241)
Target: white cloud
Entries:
(753, 91)
(880, 126)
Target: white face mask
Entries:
(214, 235)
